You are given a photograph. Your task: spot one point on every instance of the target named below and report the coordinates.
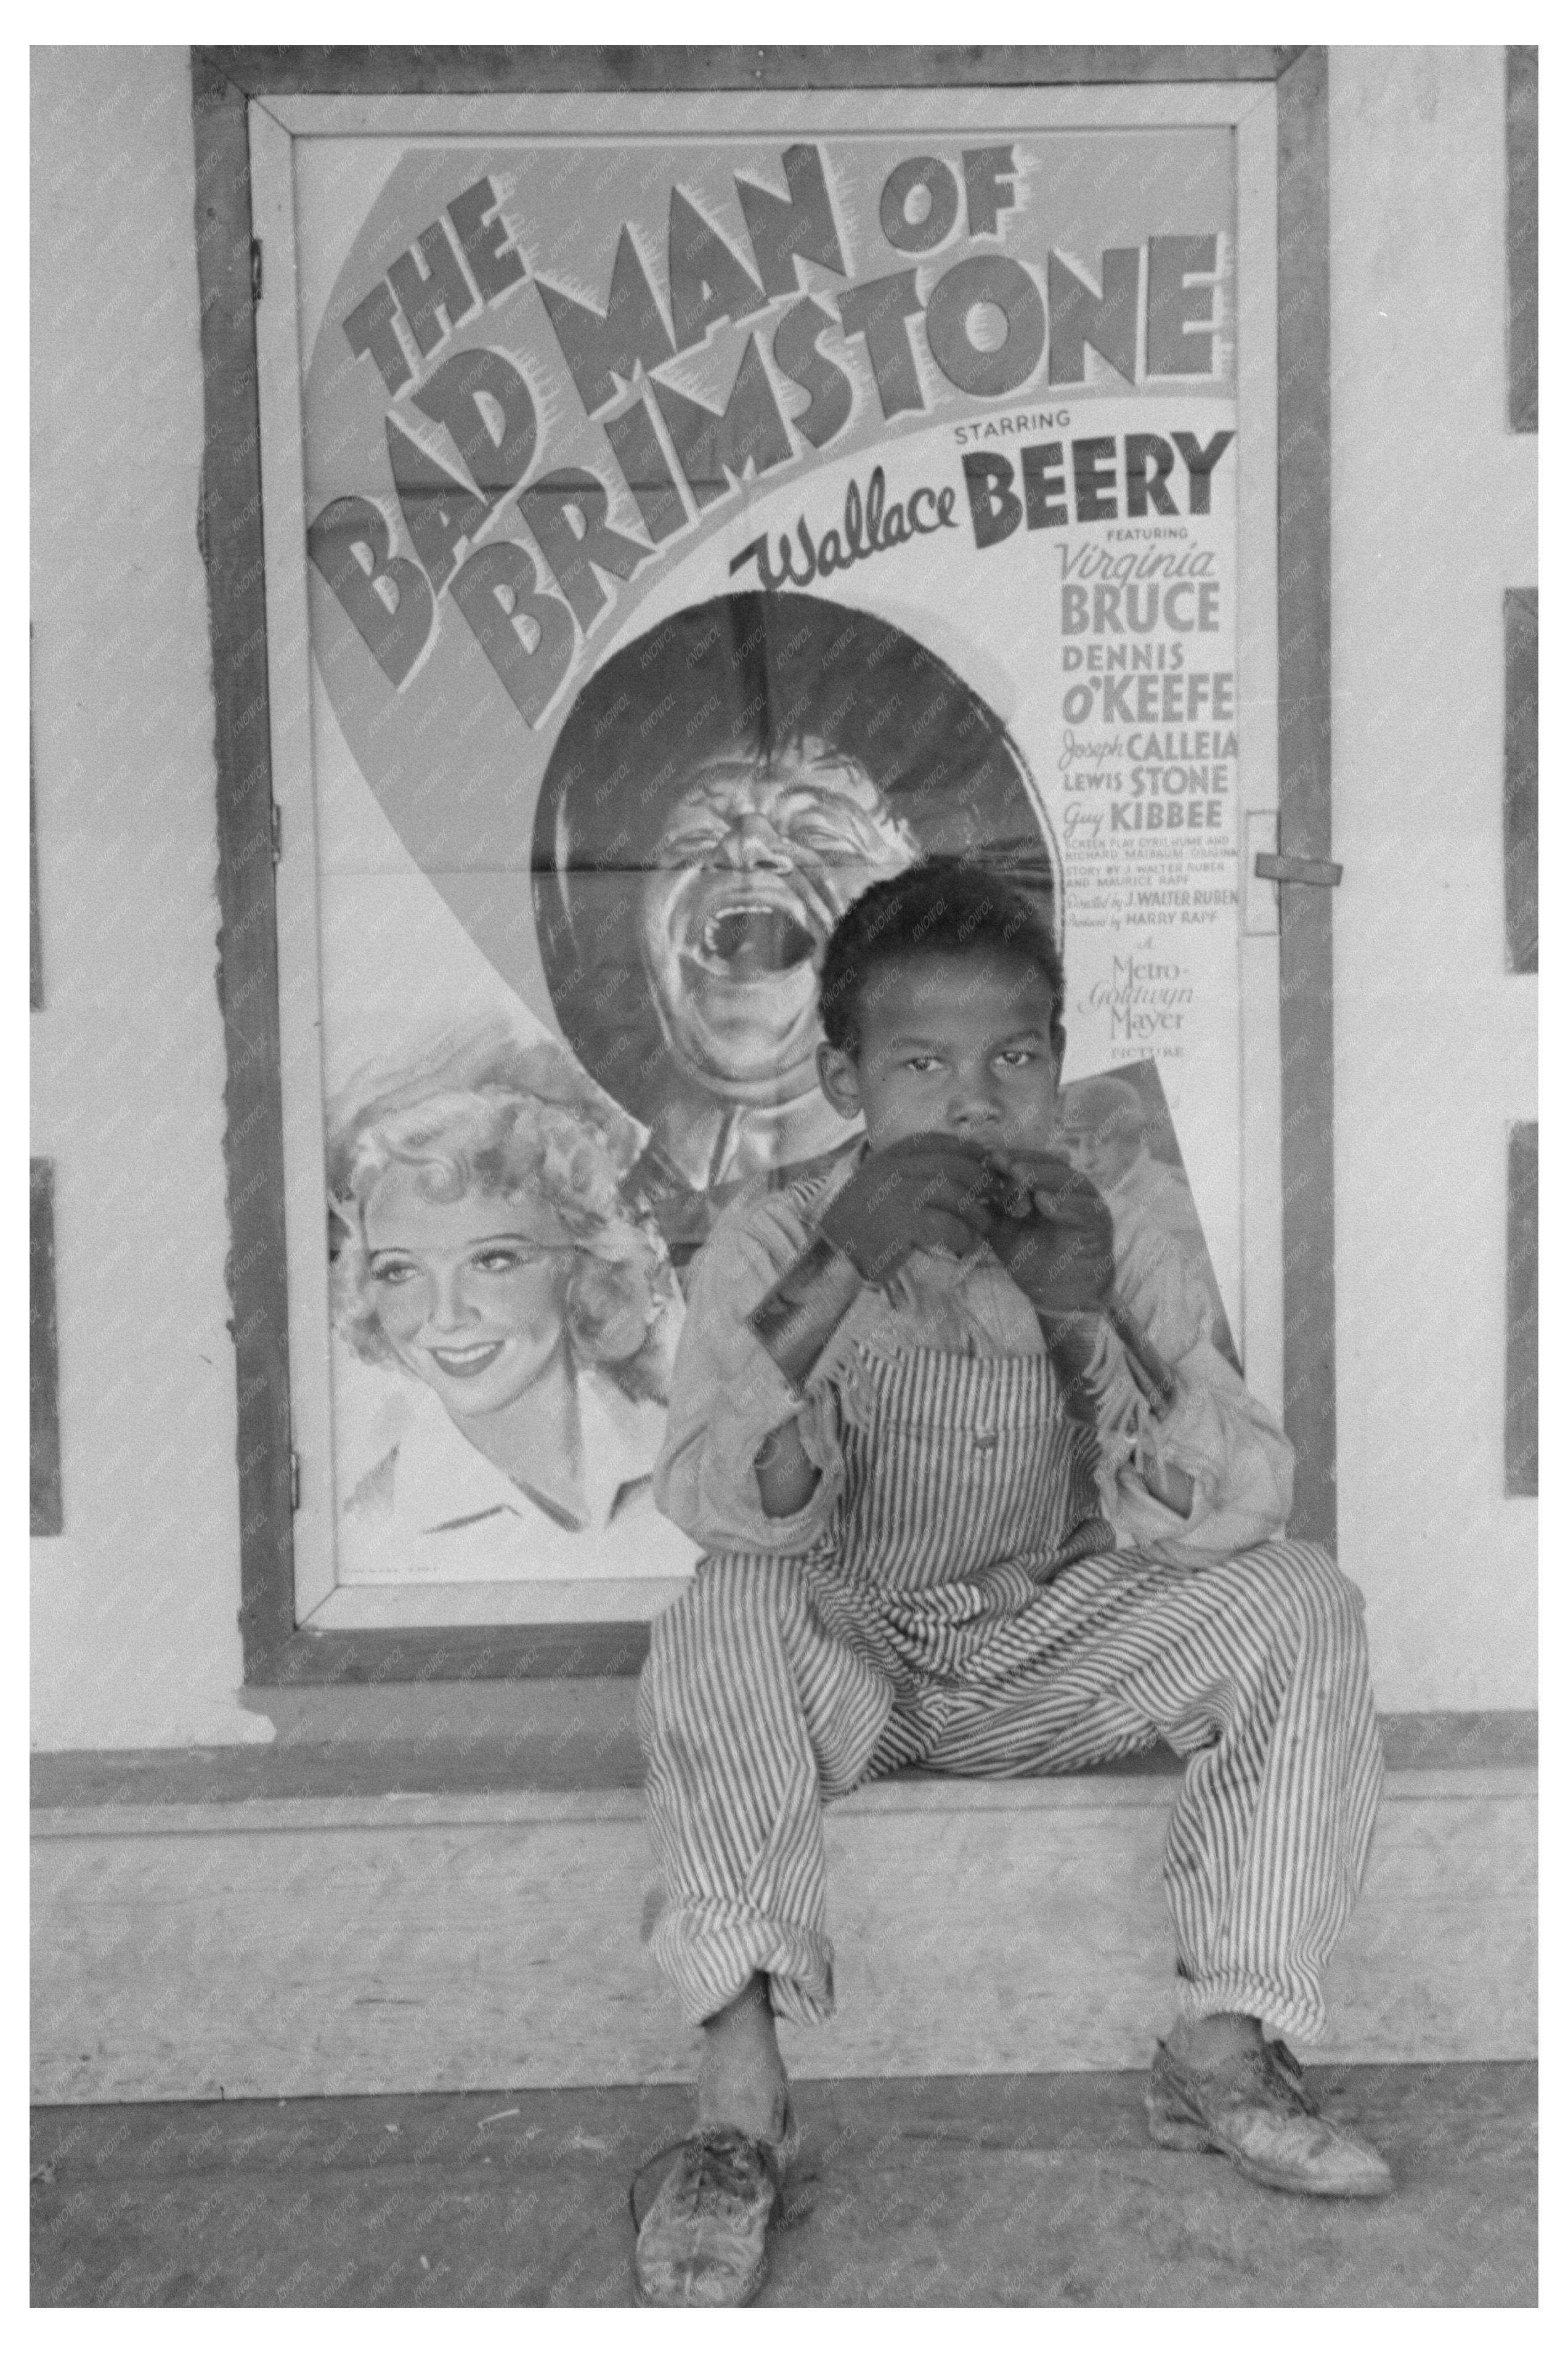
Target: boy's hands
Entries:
(925, 1192)
(1044, 1222)
(1053, 1234)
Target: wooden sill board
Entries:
(578, 1736)
(279, 1946)
(904, 1793)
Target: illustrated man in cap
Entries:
(722, 791)
(757, 860)
(1103, 1129)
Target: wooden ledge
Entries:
(1102, 1791)
(578, 1739)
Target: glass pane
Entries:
(699, 529)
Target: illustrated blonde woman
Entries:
(486, 1250)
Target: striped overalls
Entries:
(965, 1610)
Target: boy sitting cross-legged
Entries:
(943, 1527)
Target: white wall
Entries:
(134, 1638)
(1434, 516)
(133, 1627)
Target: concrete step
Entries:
(218, 1937)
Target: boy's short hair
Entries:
(941, 907)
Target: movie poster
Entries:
(698, 530)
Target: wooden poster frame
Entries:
(223, 82)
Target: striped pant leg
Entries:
(1255, 1670)
(751, 1710)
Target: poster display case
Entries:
(677, 508)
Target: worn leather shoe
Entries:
(703, 2240)
(1256, 2109)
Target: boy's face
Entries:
(955, 1045)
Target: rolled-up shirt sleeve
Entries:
(728, 1394)
(1240, 1462)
